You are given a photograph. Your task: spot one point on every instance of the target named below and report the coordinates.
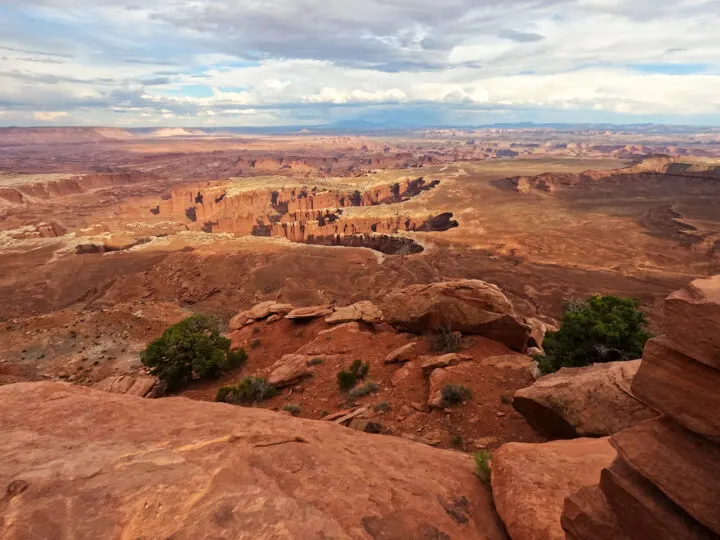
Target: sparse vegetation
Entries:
(190, 349)
(250, 390)
(348, 378)
(292, 408)
(455, 393)
(255, 344)
(382, 407)
(601, 329)
(366, 389)
(444, 340)
(482, 465)
(457, 441)
(316, 362)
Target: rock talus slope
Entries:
(79, 464)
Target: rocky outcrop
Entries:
(531, 481)
(591, 401)
(311, 312)
(364, 311)
(680, 387)
(144, 387)
(699, 302)
(429, 363)
(665, 482)
(258, 312)
(468, 306)
(176, 468)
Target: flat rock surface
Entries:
(583, 402)
(531, 481)
(80, 464)
(134, 386)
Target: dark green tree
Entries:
(192, 348)
(600, 329)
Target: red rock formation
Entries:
(78, 463)
(666, 480)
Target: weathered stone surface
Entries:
(352, 327)
(642, 510)
(538, 329)
(146, 387)
(291, 368)
(680, 387)
(587, 516)
(508, 361)
(531, 481)
(85, 464)
(446, 360)
(681, 464)
(583, 402)
(361, 311)
(402, 354)
(438, 379)
(257, 312)
(692, 320)
(468, 306)
(309, 312)
(403, 374)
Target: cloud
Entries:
(49, 116)
(316, 61)
(521, 37)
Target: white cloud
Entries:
(49, 116)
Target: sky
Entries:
(402, 63)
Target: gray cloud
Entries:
(521, 37)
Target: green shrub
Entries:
(601, 329)
(482, 465)
(444, 340)
(292, 409)
(190, 349)
(348, 378)
(364, 390)
(455, 393)
(383, 406)
(457, 441)
(250, 390)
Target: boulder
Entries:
(531, 481)
(591, 401)
(144, 387)
(311, 312)
(361, 311)
(257, 312)
(680, 387)
(291, 368)
(642, 510)
(84, 464)
(402, 354)
(538, 329)
(692, 320)
(468, 306)
(430, 363)
(404, 374)
(438, 379)
(681, 464)
(351, 327)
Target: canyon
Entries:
(365, 245)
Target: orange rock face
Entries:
(84, 464)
